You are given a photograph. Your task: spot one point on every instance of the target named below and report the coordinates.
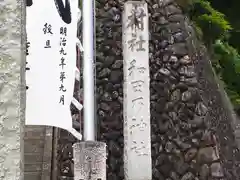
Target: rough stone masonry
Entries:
(192, 127)
(11, 111)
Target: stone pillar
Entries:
(137, 138)
(12, 31)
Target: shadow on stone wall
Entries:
(192, 124)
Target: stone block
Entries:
(33, 146)
(207, 155)
(32, 158)
(32, 176)
(37, 132)
(216, 170)
(37, 167)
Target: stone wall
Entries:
(65, 156)
(192, 125)
(37, 153)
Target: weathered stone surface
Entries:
(179, 49)
(11, 109)
(88, 156)
(36, 167)
(33, 146)
(32, 158)
(38, 152)
(188, 176)
(216, 170)
(204, 172)
(176, 18)
(32, 176)
(48, 154)
(207, 155)
(190, 154)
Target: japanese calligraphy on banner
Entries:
(137, 141)
(51, 61)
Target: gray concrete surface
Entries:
(11, 116)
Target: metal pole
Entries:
(89, 155)
(88, 73)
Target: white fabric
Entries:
(43, 78)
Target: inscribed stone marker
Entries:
(137, 139)
(89, 160)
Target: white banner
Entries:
(51, 62)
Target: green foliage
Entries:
(213, 27)
(231, 10)
(212, 23)
(234, 97)
(80, 4)
(227, 66)
(198, 30)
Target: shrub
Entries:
(212, 23)
(227, 66)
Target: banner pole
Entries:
(89, 155)
(88, 73)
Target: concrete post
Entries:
(12, 56)
(137, 137)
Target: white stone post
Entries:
(12, 57)
(137, 138)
